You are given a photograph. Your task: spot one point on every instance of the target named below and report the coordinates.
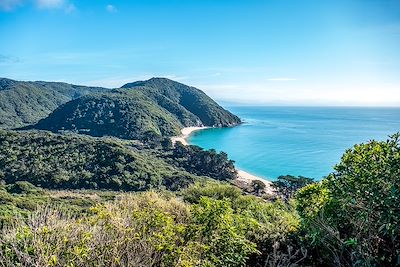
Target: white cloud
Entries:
(65, 5)
(50, 4)
(9, 5)
(281, 79)
(111, 8)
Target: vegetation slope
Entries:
(191, 105)
(142, 110)
(24, 103)
(81, 162)
(351, 218)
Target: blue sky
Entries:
(280, 52)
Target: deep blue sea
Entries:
(305, 141)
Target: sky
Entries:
(269, 52)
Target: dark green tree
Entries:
(287, 185)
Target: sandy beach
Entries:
(244, 178)
(186, 132)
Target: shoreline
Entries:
(244, 178)
(185, 133)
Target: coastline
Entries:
(186, 132)
(244, 178)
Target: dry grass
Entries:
(136, 230)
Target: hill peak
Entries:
(155, 81)
(155, 107)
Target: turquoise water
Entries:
(306, 141)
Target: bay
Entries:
(305, 141)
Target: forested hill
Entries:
(24, 103)
(187, 100)
(142, 110)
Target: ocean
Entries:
(305, 141)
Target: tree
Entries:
(287, 185)
(258, 186)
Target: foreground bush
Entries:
(151, 229)
(270, 225)
(352, 218)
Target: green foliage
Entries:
(23, 187)
(145, 110)
(353, 216)
(213, 190)
(311, 199)
(190, 105)
(23, 103)
(257, 186)
(145, 229)
(264, 223)
(203, 162)
(287, 185)
(16, 203)
(221, 228)
(74, 162)
(223, 231)
(123, 114)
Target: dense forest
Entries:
(173, 95)
(81, 162)
(142, 110)
(25, 103)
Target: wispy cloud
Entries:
(50, 4)
(110, 8)
(65, 5)
(8, 59)
(283, 79)
(9, 5)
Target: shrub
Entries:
(353, 216)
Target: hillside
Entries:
(24, 103)
(142, 110)
(120, 114)
(188, 99)
(75, 161)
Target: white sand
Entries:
(244, 178)
(186, 132)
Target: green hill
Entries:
(142, 110)
(24, 103)
(190, 101)
(74, 162)
(126, 115)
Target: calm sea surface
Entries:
(305, 141)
